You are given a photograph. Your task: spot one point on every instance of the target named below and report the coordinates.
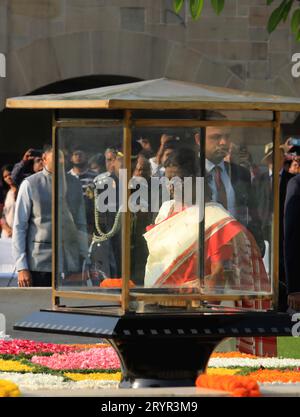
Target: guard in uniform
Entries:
(105, 249)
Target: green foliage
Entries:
(278, 15)
(196, 7)
(177, 4)
(295, 24)
(218, 5)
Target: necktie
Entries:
(221, 192)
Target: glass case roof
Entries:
(158, 94)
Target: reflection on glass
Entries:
(234, 162)
(73, 248)
(237, 252)
(106, 241)
(173, 240)
(89, 232)
(167, 203)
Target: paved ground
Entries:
(281, 390)
(141, 392)
(268, 390)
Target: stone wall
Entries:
(51, 40)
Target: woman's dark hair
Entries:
(171, 144)
(136, 148)
(185, 160)
(7, 167)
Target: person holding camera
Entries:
(167, 145)
(30, 164)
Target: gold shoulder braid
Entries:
(102, 236)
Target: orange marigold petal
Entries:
(254, 393)
(114, 283)
(238, 386)
(233, 355)
(240, 392)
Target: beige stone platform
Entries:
(268, 390)
(141, 392)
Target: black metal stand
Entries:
(161, 350)
(170, 362)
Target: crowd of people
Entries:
(239, 202)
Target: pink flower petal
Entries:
(17, 346)
(88, 359)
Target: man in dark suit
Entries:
(291, 234)
(230, 184)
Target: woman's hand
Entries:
(163, 140)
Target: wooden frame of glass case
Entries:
(235, 100)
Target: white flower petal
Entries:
(253, 363)
(34, 382)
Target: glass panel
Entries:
(89, 226)
(84, 114)
(157, 239)
(168, 114)
(166, 247)
(239, 211)
(254, 115)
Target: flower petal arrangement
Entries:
(237, 386)
(9, 389)
(13, 366)
(29, 347)
(95, 376)
(35, 382)
(46, 366)
(235, 362)
(86, 359)
(28, 366)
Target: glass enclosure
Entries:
(166, 196)
(199, 224)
